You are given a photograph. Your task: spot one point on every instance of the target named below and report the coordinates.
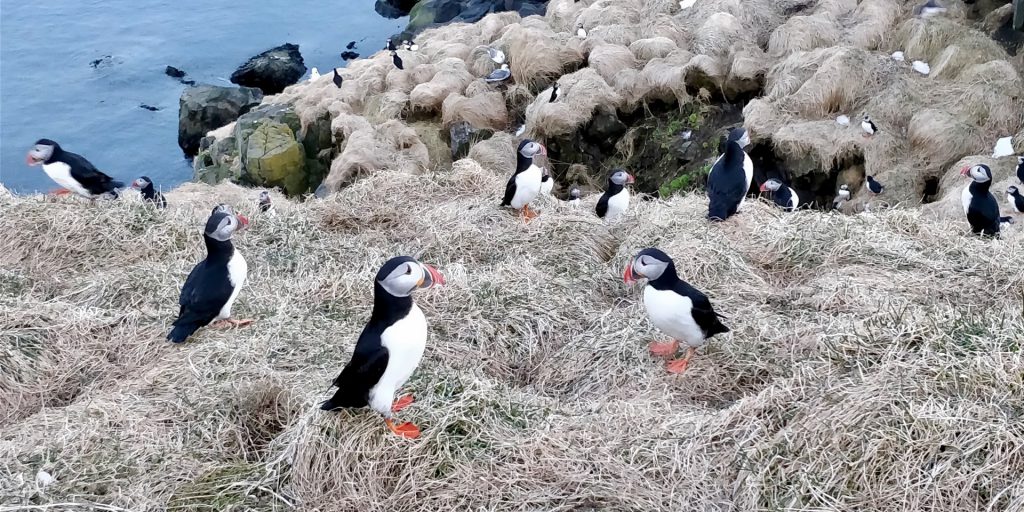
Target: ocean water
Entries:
(48, 89)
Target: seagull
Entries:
(686, 4)
(314, 74)
(898, 56)
(929, 8)
(843, 121)
(337, 78)
(499, 75)
(495, 54)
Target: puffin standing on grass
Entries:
(1020, 169)
(547, 183)
(71, 171)
(524, 186)
(730, 177)
(265, 205)
(783, 195)
(979, 204)
(673, 306)
(213, 285)
(574, 197)
(613, 203)
(1016, 200)
(391, 345)
(868, 126)
(841, 197)
(145, 187)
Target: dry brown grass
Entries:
(581, 93)
(874, 361)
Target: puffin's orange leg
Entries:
(231, 322)
(679, 365)
(528, 214)
(406, 430)
(60, 192)
(664, 348)
(402, 402)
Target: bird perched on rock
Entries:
(397, 60)
(390, 46)
(391, 345)
(338, 80)
(868, 126)
(265, 205)
(72, 171)
(979, 204)
(929, 8)
(314, 74)
(783, 195)
(613, 203)
(841, 197)
(730, 177)
(1015, 199)
(499, 75)
(555, 92)
(213, 285)
(524, 185)
(580, 31)
(673, 306)
(145, 187)
(410, 45)
(496, 55)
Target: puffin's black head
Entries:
(221, 225)
(402, 275)
(142, 182)
(620, 177)
(648, 264)
(224, 208)
(530, 149)
(844, 191)
(979, 173)
(264, 197)
(740, 136)
(772, 184)
(41, 152)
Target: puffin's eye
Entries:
(408, 270)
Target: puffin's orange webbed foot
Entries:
(402, 402)
(406, 430)
(60, 192)
(678, 366)
(664, 348)
(528, 214)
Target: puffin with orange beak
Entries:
(213, 285)
(391, 345)
(673, 306)
(71, 171)
(979, 204)
(613, 203)
(525, 184)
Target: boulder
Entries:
(207, 107)
(273, 158)
(393, 9)
(431, 13)
(272, 70)
(463, 136)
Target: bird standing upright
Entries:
(524, 185)
(730, 177)
(145, 187)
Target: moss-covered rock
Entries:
(217, 161)
(273, 158)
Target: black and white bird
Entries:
(841, 197)
(868, 126)
(338, 80)
(397, 60)
(979, 204)
(783, 195)
(873, 187)
(929, 8)
(1015, 199)
(410, 46)
(547, 183)
(730, 177)
(581, 32)
(390, 46)
(213, 285)
(499, 75)
(673, 306)
(71, 171)
(574, 197)
(555, 93)
(613, 203)
(1020, 169)
(524, 185)
(145, 187)
(391, 345)
(496, 55)
(265, 204)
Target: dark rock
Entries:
(174, 72)
(462, 136)
(393, 9)
(430, 13)
(208, 107)
(348, 55)
(605, 126)
(149, 107)
(104, 62)
(272, 70)
(189, 82)
(350, 45)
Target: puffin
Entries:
(213, 285)
(979, 204)
(524, 185)
(546, 182)
(673, 306)
(390, 46)
(1016, 200)
(868, 126)
(686, 4)
(337, 79)
(841, 197)
(391, 345)
(613, 203)
(410, 45)
(397, 60)
(499, 75)
(783, 195)
(1020, 169)
(314, 74)
(555, 92)
(145, 187)
(730, 177)
(581, 32)
(71, 171)
(574, 197)
(265, 205)
(873, 186)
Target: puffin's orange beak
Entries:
(966, 171)
(31, 160)
(243, 221)
(543, 150)
(431, 278)
(764, 188)
(630, 179)
(629, 276)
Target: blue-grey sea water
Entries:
(48, 89)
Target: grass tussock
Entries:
(581, 93)
(849, 381)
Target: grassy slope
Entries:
(874, 362)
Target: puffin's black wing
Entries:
(160, 200)
(983, 215)
(727, 183)
(204, 294)
(1020, 172)
(510, 191)
(363, 371)
(702, 311)
(88, 175)
(783, 198)
(602, 205)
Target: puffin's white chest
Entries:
(60, 172)
(794, 200)
(866, 126)
(527, 186)
(671, 313)
(965, 198)
(405, 340)
(237, 270)
(617, 205)
(546, 186)
(748, 174)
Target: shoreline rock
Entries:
(272, 70)
(203, 108)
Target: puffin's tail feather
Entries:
(181, 332)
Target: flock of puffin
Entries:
(391, 344)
